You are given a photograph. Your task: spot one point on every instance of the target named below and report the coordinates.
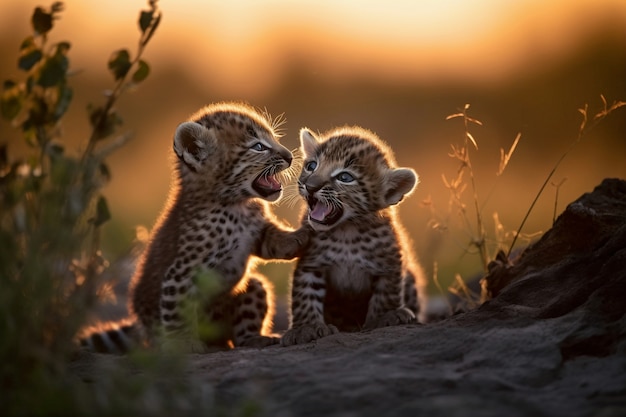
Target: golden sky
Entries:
(247, 43)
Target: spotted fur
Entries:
(228, 165)
(359, 271)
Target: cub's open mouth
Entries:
(266, 185)
(322, 213)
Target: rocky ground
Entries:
(550, 342)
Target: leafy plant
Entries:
(51, 206)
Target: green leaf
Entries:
(55, 67)
(102, 212)
(37, 112)
(11, 100)
(10, 106)
(41, 21)
(105, 171)
(119, 64)
(63, 47)
(142, 71)
(103, 125)
(29, 58)
(153, 29)
(63, 102)
(52, 73)
(145, 18)
(94, 114)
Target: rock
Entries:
(550, 342)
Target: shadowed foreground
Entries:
(552, 342)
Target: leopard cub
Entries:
(229, 164)
(359, 271)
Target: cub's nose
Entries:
(287, 156)
(313, 187)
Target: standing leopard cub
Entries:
(358, 271)
(228, 166)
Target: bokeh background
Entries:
(395, 67)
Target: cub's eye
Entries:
(345, 177)
(310, 166)
(259, 147)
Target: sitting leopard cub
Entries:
(359, 271)
(228, 166)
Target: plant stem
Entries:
(480, 242)
(109, 104)
(584, 129)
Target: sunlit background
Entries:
(396, 67)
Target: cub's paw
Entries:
(307, 333)
(259, 342)
(391, 318)
(296, 243)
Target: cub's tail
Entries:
(111, 337)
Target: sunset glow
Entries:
(249, 44)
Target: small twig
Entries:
(556, 198)
(121, 83)
(464, 157)
(113, 145)
(438, 285)
(505, 158)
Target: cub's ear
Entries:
(399, 182)
(308, 142)
(193, 143)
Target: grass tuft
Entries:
(490, 247)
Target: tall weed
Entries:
(52, 211)
(497, 246)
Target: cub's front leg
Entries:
(385, 307)
(277, 243)
(307, 308)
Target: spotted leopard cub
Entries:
(359, 271)
(228, 166)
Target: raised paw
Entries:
(260, 342)
(391, 318)
(307, 333)
(295, 245)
